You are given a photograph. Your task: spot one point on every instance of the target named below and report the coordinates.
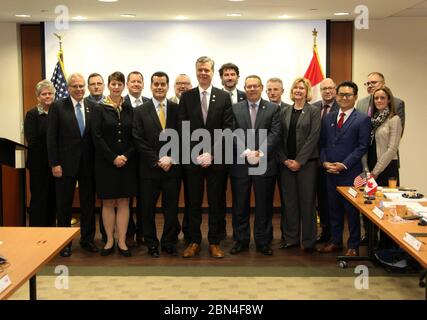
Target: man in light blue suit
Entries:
(344, 140)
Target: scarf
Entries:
(377, 120)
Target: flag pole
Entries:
(314, 33)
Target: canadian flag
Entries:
(315, 74)
(371, 186)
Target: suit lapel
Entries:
(260, 114)
(302, 115)
(288, 116)
(87, 117)
(346, 124)
(154, 116)
(212, 104)
(197, 105)
(245, 113)
(70, 109)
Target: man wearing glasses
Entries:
(70, 152)
(376, 81)
(182, 84)
(344, 139)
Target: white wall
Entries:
(10, 83)
(397, 47)
(266, 48)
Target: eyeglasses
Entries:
(252, 86)
(345, 95)
(182, 83)
(328, 88)
(371, 83)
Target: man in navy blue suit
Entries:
(344, 139)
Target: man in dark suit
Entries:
(328, 90)
(229, 74)
(274, 91)
(135, 85)
(344, 139)
(157, 173)
(253, 116)
(70, 152)
(209, 108)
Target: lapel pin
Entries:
(263, 107)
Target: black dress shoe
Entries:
(239, 247)
(323, 238)
(66, 252)
(89, 246)
(265, 250)
(124, 252)
(285, 245)
(154, 252)
(170, 250)
(107, 252)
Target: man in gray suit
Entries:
(375, 81)
(274, 91)
(328, 90)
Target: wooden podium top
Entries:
(27, 249)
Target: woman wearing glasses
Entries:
(298, 156)
(115, 166)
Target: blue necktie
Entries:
(80, 120)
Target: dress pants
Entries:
(322, 202)
(150, 192)
(338, 206)
(264, 195)
(65, 187)
(214, 176)
(43, 200)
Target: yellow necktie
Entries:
(162, 117)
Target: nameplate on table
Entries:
(412, 241)
(378, 212)
(4, 283)
(352, 192)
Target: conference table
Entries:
(27, 250)
(397, 231)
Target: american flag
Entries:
(360, 180)
(58, 80)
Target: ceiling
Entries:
(94, 10)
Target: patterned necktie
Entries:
(253, 112)
(162, 117)
(79, 116)
(341, 120)
(204, 104)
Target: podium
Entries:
(12, 184)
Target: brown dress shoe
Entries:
(329, 248)
(192, 250)
(216, 251)
(351, 253)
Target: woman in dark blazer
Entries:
(298, 156)
(115, 166)
(42, 184)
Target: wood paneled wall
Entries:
(339, 59)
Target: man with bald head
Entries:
(328, 90)
(70, 152)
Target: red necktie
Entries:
(341, 120)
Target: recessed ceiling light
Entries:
(236, 0)
(79, 18)
(128, 15)
(181, 18)
(22, 15)
(341, 14)
(108, 0)
(234, 15)
(285, 16)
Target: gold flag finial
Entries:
(60, 40)
(314, 37)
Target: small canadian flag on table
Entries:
(371, 186)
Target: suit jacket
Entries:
(268, 117)
(146, 132)
(283, 105)
(65, 146)
(241, 95)
(335, 106)
(127, 100)
(307, 133)
(363, 104)
(219, 113)
(35, 130)
(346, 145)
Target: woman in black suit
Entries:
(42, 184)
(299, 155)
(115, 166)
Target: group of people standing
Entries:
(110, 146)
